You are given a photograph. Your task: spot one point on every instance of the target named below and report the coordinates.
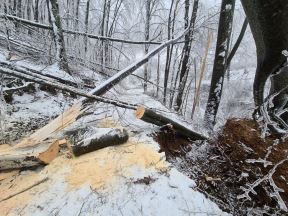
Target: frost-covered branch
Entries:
(92, 36)
(268, 177)
(41, 80)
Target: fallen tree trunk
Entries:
(41, 154)
(70, 115)
(90, 139)
(42, 80)
(160, 119)
(152, 117)
(39, 74)
(108, 84)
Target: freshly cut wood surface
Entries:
(23, 157)
(154, 117)
(56, 125)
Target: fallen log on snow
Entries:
(160, 119)
(70, 115)
(41, 154)
(90, 139)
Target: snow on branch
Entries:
(97, 37)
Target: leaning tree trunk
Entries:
(220, 62)
(168, 58)
(268, 21)
(147, 35)
(86, 25)
(36, 11)
(186, 54)
(61, 55)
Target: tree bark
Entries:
(108, 84)
(86, 25)
(56, 24)
(25, 74)
(168, 59)
(220, 62)
(186, 54)
(90, 139)
(268, 21)
(147, 36)
(40, 154)
(160, 119)
(237, 43)
(36, 11)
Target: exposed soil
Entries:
(241, 171)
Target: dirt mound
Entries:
(241, 171)
(263, 161)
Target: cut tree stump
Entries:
(160, 119)
(90, 139)
(41, 154)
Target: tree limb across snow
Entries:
(25, 189)
(71, 114)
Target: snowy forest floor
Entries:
(134, 178)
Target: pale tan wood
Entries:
(23, 157)
(58, 124)
(140, 112)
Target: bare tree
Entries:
(87, 24)
(220, 62)
(55, 20)
(186, 53)
(147, 36)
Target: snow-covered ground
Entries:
(130, 179)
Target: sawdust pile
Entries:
(99, 169)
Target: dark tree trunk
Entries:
(238, 42)
(220, 62)
(88, 139)
(160, 119)
(36, 11)
(61, 55)
(268, 21)
(147, 36)
(168, 59)
(186, 54)
(87, 24)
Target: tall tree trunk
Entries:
(186, 53)
(268, 21)
(19, 8)
(220, 62)
(61, 55)
(102, 31)
(87, 25)
(168, 53)
(106, 46)
(77, 15)
(238, 42)
(147, 35)
(36, 11)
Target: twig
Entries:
(25, 189)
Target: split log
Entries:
(160, 119)
(41, 154)
(90, 139)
